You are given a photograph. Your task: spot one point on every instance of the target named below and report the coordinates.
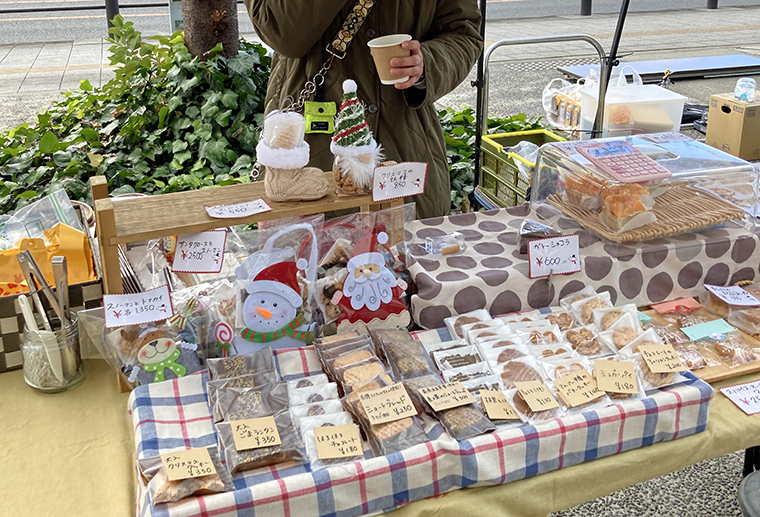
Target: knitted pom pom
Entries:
(349, 86)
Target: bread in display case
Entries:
(643, 187)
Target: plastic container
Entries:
(632, 110)
(745, 89)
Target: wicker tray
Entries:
(680, 209)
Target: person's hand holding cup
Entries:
(398, 60)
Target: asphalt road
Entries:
(91, 24)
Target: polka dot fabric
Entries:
(491, 274)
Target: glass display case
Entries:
(643, 187)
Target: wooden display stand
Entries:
(134, 219)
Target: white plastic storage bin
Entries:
(632, 110)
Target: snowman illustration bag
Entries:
(273, 304)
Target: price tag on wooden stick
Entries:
(255, 433)
(616, 376)
(447, 396)
(578, 388)
(387, 404)
(496, 406)
(661, 358)
(191, 463)
(536, 395)
(340, 441)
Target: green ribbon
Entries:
(159, 367)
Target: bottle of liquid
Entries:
(745, 89)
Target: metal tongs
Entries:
(37, 283)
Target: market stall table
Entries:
(82, 462)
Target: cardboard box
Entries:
(734, 127)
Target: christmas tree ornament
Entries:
(285, 155)
(356, 151)
(371, 293)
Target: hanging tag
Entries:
(320, 117)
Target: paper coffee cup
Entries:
(385, 48)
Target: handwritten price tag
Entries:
(578, 388)
(387, 404)
(200, 252)
(496, 406)
(683, 305)
(712, 329)
(238, 210)
(447, 396)
(139, 308)
(536, 395)
(397, 181)
(554, 255)
(340, 441)
(746, 396)
(661, 358)
(255, 433)
(616, 376)
(733, 295)
(191, 463)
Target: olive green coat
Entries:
(405, 122)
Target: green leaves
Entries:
(48, 143)
(229, 99)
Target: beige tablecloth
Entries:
(72, 454)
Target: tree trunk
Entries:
(208, 22)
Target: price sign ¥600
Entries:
(554, 256)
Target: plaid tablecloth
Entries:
(174, 414)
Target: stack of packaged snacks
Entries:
(455, 323)
(405, 355)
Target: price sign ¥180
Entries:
(554, 256)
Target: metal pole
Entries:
(479, 99)
(112, 9)
(585, 7)
(712, 4)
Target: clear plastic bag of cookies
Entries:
(518, 370)
(444, 346)
(467, 373)
(290, 449)
(622, 332)
(311, 394)
(563, 319)
(557, 368)
(489, 382)
(241, 403)
(342, 357)
(549, 335)
(733, 348)
(604, 319)
(667, 334)
(527, 415)
(717, 306)
(498, 356)
(562, 350)
(307, 427)
(650, 380)
(583, 310)
(482, 329)
(527, 326)
(455, 323)
(306, 382)
(334, 349)
(746, 319)
(521, 317)
(687, 318)
(237, 365)
(359, 371)
(161, 490)
(324, 290)
(498, 342)
(477, 335)
(251, 380)
(325, 407)
(694, 357)
(457, 358)
(567, 301)
(337, 339)
(408, 360)
(586, 342)
(620, 397)
(648, 337)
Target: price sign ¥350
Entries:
(554, 256)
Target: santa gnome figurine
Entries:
(356, 152)
(271, 310)
(371, 293)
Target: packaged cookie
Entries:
(717, 306)
(467, 373)
(347, 358)
(356, 372)
(307, 427)
(586, 342)
(604, 319)
(583, 310)
(567, 301)
(237, 365)
(498, 342)
(519, 370)
(241, 403)
(386, 378)
(408, 359)
(252, 380)
(502, 355)
(694, 357)
(557, 368)
(522, 408)
(311, 394)
(290, 449)
(563, 320)
(521, 317)
(687, 318)
(326, 407)
(746, 319)
(564, 350)
(668, 335)
(527, 326)
(457, 358)
(161, 490)
(455, 323)
(622, 332)
(484, 328)
(488, 382)
(332, 353)
(307, 382)
(444, 346)
(648, 337)
(545, 336)
(620, 397)
(650, 380)
(733, 348)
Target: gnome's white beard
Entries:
(370, 291)
(361, 171)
